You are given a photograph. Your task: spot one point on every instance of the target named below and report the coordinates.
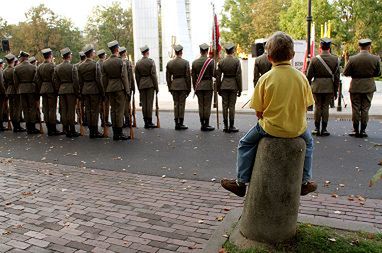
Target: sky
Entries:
(77, 10)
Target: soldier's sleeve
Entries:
(168, 77)
(378, 68)
(37, 80)
(188, 77)
(310, 72)
(347, 70)
(337, 79)
(256, 74)
(76, 81)
(80, 80)
(38, 87)
(154, 76)
(218, 78)
(137, 75)
(2, 86)
(239, 80)
(105, 78)
(131, 77)
(99, 79)
(16, 80)
(125, 77)
(193, 75)
(56, 80)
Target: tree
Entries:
(358, 19)
(110, 23)
(293, 19)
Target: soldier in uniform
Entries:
(44, 82)
(92, 91)
(12, 94)
(229, 86)
(262, 66)
(2, 98)
(23, 76)
(32, 60)
(65, 78)
(178, 79)
(324, 75)
(101, 58)
(147, 82)
(123, 55)
(84, 118)
(362, 68)
(204, 88)
(117, 87)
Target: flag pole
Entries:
(216, 58)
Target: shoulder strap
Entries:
(202, 71)
(326, 66)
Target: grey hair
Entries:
(280, 47)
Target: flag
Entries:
(215, 47)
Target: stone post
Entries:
(271, 206)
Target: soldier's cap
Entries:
(261, 41)
(10, 57)
(229, 46)
(101, 52)
(81, 53)
(32, 59)
(23, 54)
(364, 42)
(46, 51)
(121, 50)
(178, 48)
(65, 51)
(87, 49)
(204, 46)
(1, 61)
(326, 41)
(112, 44)
(144, 49)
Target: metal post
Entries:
(339, 104)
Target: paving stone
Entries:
(81, 246)
(18, 244)
(37, 242)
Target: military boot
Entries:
(49, 128)
(17, 127)
(146, 123)
(225, 129)
(316, 131)
(2, 128)
(177, 124)
(181, 125)
(355, 132)
(232, 128)
(150, 123)
(203, 125)
(55, 131)
(363, 133)
(94, 133)
(207, 125)
(73, 132)
(31, 128)
(118, 134)
(324, 132)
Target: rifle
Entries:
(131, 120)
(105, 128)
(8, 115)
(82, 130)
(157, 109)
(246, 103)
(39, 115)
(134, 116)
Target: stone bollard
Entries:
(271, 206)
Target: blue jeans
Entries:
(247, 149)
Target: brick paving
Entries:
(56, 208)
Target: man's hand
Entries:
(259, 115)
(238, 93)
(335, 95)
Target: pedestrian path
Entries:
(55, 208)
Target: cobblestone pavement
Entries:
(56, 208)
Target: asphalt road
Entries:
(197, 155)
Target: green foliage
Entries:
(108, 23)
(322, 240)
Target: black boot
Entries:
(73, 132)
(181, 125)
(203, 125)
(363, 133)
(50, 130)
(225, 129)
(94, 133)
(127, 123)
(177, 125)
(150, 123)
(2, 128)
(118, 134)
(355, 132)
(31, 128)
(146, 123)
(232, 128)
(207, 125)
(17, 127)
(316, 131)
(324, 132)
(55, 131)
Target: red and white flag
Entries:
(215, 47)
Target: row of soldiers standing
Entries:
(324, 75)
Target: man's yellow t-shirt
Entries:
(283, 94)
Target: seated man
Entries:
(281, 99)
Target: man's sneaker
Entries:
(308, 187)
(231, 185)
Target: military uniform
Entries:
(104, 119)
(84, 118)
(117, 87)
(324, 85)
(203, 89)
(229, 86)
(362, 68)
(129, 70)
(66, 80)
(262, 66)
(24, 74)
(147, 83)
(2, 99)
(13, 96)
(44, 82)
(92, 91)
(178, 79)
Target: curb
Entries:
(227, 227)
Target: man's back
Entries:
(262, 66)
(178, 74)
(23, 75)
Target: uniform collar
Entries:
(325, 53)
(364, 52)
(281, 63)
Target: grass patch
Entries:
(315, 239)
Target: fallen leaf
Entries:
(163, 176)
(351, 197)
(337, 212)
(332, 239)
(200, 221)
(334, 195)
(225, 235)
(226, 209)
(7, 232)
(213, 179)
(222, 250)
(27, 193)
(220, 218)
(360, 198)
